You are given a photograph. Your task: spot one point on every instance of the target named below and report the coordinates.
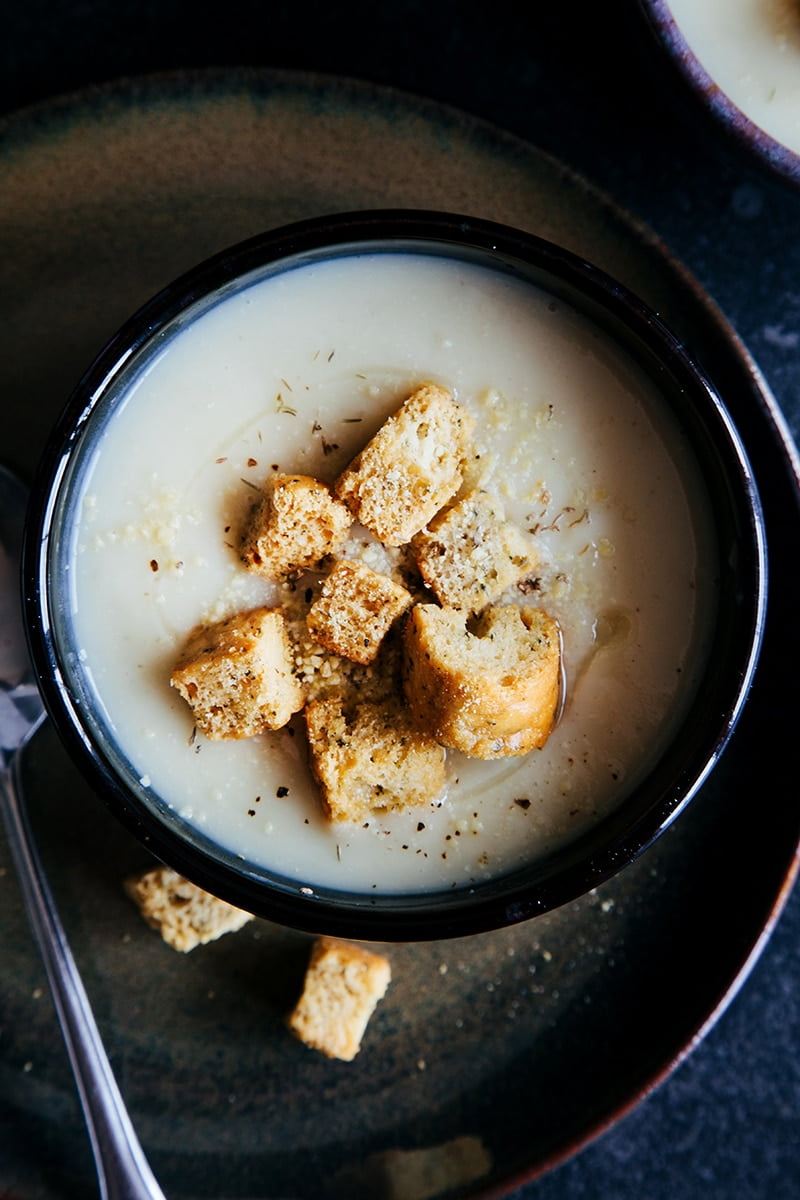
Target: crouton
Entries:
(410, 468)
(343, 985)
(236, 675)
(370, 759)
(425, 1172)
(182, 912)
(470, 554)
(490, 690)
(355, 610)
(295, 524)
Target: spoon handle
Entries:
(122, 1169)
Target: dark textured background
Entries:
(580, 81)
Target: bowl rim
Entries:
(607, 846)
(750, 137)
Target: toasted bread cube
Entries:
(236, 675)
(343, 985)
(425, 1172)
(410, 468)
(355, 610)
(184, 914)
(470, 554)
(370, 759)
(295, 524)
(490, 693)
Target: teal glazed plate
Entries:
(492, 1057)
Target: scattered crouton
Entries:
(183, 913)
(490, 689)
(470, 554)
(343, 985)
(295, 524)
(355, 610)
(410, 468)
(237, 675)
(425, 1172)
(371, 759)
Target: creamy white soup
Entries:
(751, 49)
(294, 374)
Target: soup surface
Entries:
(295, 373)
(751, 49)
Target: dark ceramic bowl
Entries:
(710, 90)
(737, 563)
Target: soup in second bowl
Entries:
(751, 50)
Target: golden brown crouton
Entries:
(470, 554)
(294, 525)
(183, 913)
(355, 610)
(410, 468)
(490, 690)
(425, 1172)
(371, 759)
(343, 984)
(237, 675)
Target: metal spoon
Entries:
(122, 1169)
